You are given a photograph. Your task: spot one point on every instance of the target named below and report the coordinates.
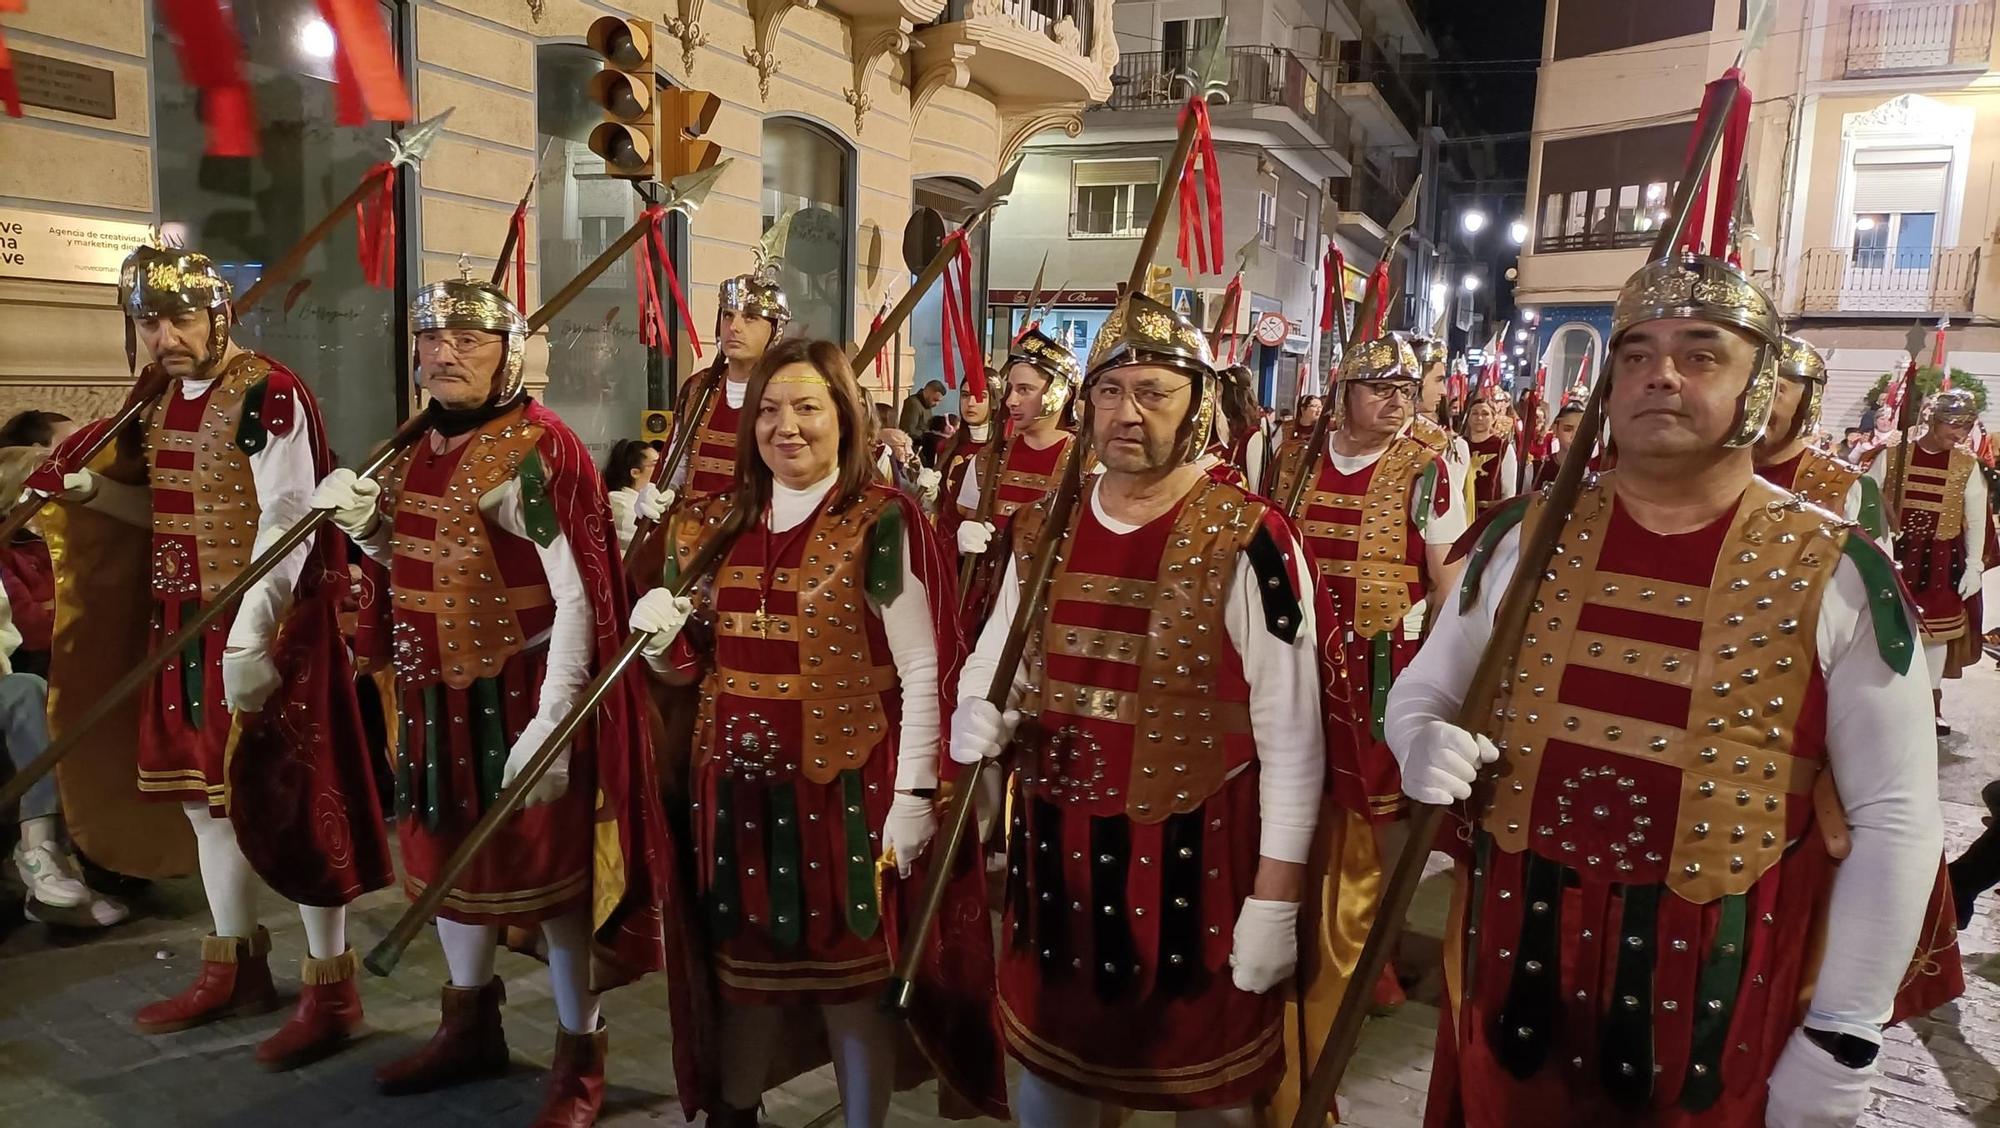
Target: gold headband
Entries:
(814, 378)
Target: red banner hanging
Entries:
(1200, 191)
(375, 229)
(211, 58)
(652, 258)
(369, 85)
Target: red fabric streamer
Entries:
(375, 229)
(519, 225)
(1232, 297)
(1200, 191)
(881, 355)
(1378, 284)
(1334, 267)
(369, 84)
(1938, 353)
(653, 328)
(212, 62)
(961, 339)
(1728, 162)
(10, 93)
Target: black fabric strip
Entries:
(1525, 1026)
(1180, 905)
(1114, 963)
(1627, 1047)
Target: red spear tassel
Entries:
(1201, 190)
(1379, 283)
(375, 229)
(212, 62)
(881, 355)
(1728, 162)
(10, 93)
(1232, 296)
(1334, 285)
(653, 328)
(961, 340)
(519, 224)
(369, 85)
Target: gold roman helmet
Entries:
(1954, 405)
(1710, 289)
(759, 295)
(1429, 350)
(157, 280)
(467, 303)
(1142, 330)
(1052, 359)
(1801, 363)
(1388, 357)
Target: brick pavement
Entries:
(68, 1056)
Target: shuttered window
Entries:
(1092, 174)
(1899, 187)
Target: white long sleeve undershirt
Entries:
(1284, 696)
(1878, 746)
(906, 623)
(1974, 530)
(570, 636)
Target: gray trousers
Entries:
(24, 724)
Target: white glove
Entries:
(979, 731)
(1266, 948)
(661, 614)
(355, 501)
(249, 677)
(1811, 1090)
(653, 502)
(927, 481)
(1968, 584)
(907, 831)
(974, 537)
(1443, 762)
(79, 485)
(554, 782)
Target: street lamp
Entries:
(1518, 232)
(1440, 290)
(1470, 282)
(1473, 221)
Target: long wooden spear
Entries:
(1474, 714)
(382, 959)
(407, 149)
(258, 568)
(1909, 411)
(901, 993)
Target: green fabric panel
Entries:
(885, 557)
(1872, 521)
(192, 669)
(723, 903)
(1895, 634)
(536, 508)
(670, 571)
(1503, 520)
(1380, 671)
(250, 434)
(489, 735)
(864, 916)
(434, 800)
(783, 858)
(1715, 1006)
(1426, 494)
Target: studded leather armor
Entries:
(1360, 532)
(205, 509)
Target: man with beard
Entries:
(1169, 784)
(498, 540)
(1787, 461)
(232, 445)
(1649, 925)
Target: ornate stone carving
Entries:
(686, 27)
(890, 39)
(1016, 129)
(1910, 112)
(763, 52)
(951, 66)
(1103, 45)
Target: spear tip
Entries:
(413, 144)
(686, 194)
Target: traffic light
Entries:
(684, 116)
(628, 137)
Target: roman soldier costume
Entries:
(1495, 467)
(1941, 514)
(711, 466)
(1170, 738)
(1819, 477)
(1648, 901)
(219, 466)
(505, 600)
(1019, 474)
(954, 463)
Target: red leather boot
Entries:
(235, 980)
(328, 1014)
(576, 1080)
(469, 1045)
(1388, 995)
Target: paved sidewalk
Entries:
(68, 1056)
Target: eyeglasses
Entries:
(461, 343)
(1150, 397)
(1384, 390)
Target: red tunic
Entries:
(1487, 454)
(712, 464)
(1027, 476)
(1131, 853)
(31, 590)
(954, 464)
(1930, 539)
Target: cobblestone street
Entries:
(68, 1056)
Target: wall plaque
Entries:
(65, 248)
(60, 84)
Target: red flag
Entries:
(10, 93)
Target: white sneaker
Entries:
(49, 879)
(98, 912)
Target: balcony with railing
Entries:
(1262, 83)
(1365, 202)
(1915, 36)
(1025, 51)
(1379, 95)
(1878, 280)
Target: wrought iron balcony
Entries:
(1258, 76)
(1921, 280)
(1912, 36)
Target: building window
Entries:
(1607, 190)
(344, 338)
(599, 373)
(1267, 214)
(1586, 27)
(1299, 245)
(1113, 197)
(807, 186)
(1898, 196)
(1183, 41)
(1075, 332)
